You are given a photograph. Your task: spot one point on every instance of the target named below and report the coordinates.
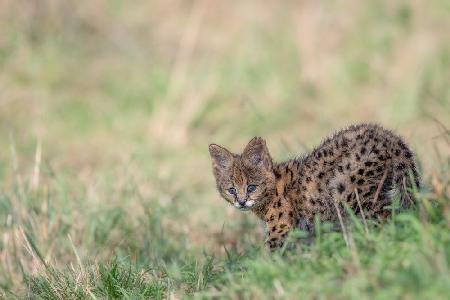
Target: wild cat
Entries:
(361, 165)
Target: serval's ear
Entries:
(221, 159)
(256, 154)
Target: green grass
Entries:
(106, 111)
(406, 257)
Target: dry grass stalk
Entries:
(341, 222)
(366, 228)
(377, 193)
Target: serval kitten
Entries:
(362, 166)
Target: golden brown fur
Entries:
(364, 160)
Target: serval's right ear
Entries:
(256, 154)
(221, 159)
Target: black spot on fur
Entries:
(340, 169)
(321, 174)
(308, 179)
(280, 215)
(408, 154)
(360, 172)
(368, 163)
(402, 145)
(401, 166)
(369, 173)
(363, 150)
(366, 195)
(360, 181)
(341, 188)
(352, 179)
(397, 152)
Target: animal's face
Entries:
(244, 180)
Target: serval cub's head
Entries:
(244, 180)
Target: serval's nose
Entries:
(242, 201)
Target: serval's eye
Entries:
(232, 191)
(251, 188)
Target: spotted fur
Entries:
(361, 165)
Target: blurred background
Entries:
(107, 108)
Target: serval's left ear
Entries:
(221, 159)
(256, 154)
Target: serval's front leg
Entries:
(279, 220)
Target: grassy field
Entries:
(106, 111)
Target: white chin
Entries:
(249, 204)
(240, 207)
